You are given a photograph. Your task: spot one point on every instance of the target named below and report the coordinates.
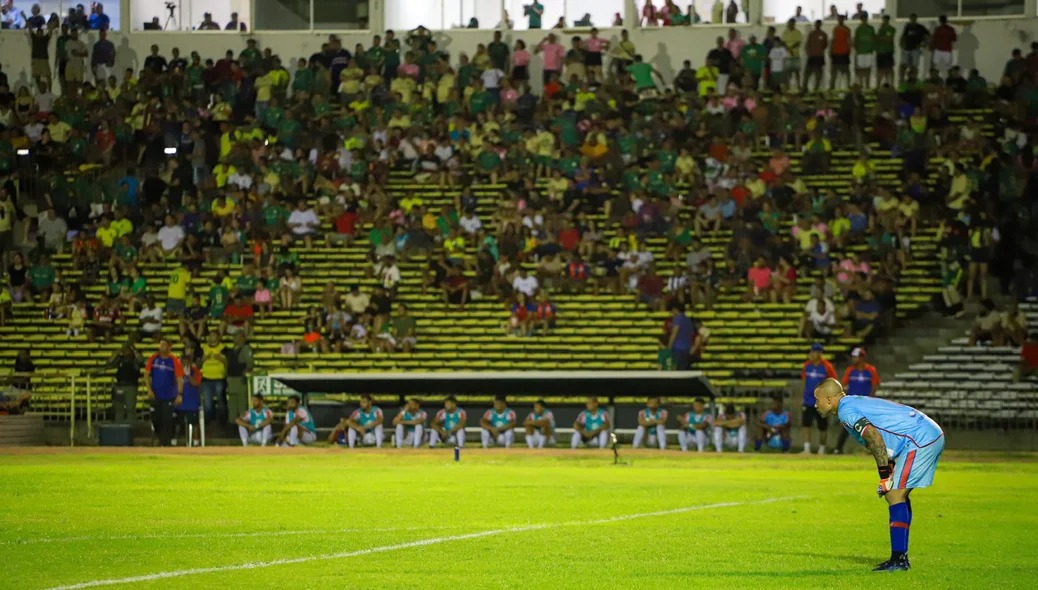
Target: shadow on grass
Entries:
(848, 558)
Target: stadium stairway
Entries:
(968, 386)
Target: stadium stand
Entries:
(893, 184)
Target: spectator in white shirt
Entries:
(525, 283)
(171, 236)
(241, 180)
(304, 223)
(151, 319)
(53, 230)
(444, 152)
(470, 223)
(778, 56)
(491, 79)
(388, 274)
(819, 318)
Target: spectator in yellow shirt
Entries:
(223, 171)
(121, 226)
(105, 234)
(222, 206)
(58, 129)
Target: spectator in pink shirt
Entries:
(554, 53)
(850, 267)
(734, 44)
(593, 48)
(509, 95)
(649, 16)
(758, 280)
(520, 63)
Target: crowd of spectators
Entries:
(236, 159)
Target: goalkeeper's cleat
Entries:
(899, 564)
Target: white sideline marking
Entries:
(216, 535)
(408, 545)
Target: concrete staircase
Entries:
(908, 344)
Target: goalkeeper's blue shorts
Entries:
(915, 466)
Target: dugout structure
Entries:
(623, 393)
(608, 385)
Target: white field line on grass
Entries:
(408, 545)
(217, 535)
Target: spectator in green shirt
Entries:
(219, 295)
(489, 162)
(643, 73)
(498, 52)
(885, 39)
(42, 277)
(534, 11)
(864, 52)
(754, 55)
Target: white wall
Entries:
(984, 45)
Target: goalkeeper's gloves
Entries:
(886, 478)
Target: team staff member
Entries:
(191, 400)
(860, 379)
(164, 376)
(816, 369)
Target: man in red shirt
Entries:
(238, 317)
(650, 288)
(840, 53)
(943, 39)
(345, 225)
(569, 237)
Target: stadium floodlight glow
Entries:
(170, 151)
(23, 152)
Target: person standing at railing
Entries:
(164, 377)
(127, 362)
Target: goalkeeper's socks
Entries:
(899, 521)
(757, 444)
(786, 444)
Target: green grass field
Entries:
(334, 519)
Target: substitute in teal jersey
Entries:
(730, 429)
(364, 424)
(592, 426)
(498, 424)
(299, 425)
(540, 426)
(652, 420)
(410, 425)
(449, 425)
(254, 423)
(694, 426)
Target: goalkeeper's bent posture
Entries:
(906, 444)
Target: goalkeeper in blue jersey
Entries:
(906, 444)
